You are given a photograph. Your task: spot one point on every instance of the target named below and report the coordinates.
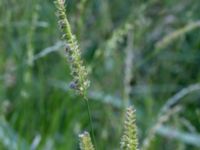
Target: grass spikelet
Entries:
(129, 139)
(78, 71)
(85, 141)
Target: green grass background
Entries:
(36, 102)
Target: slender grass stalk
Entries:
(179, 135)
(78, 70)
(90, 118)
(167, 111)
(176, 34)
(161, 120)
(128, 68)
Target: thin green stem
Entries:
(91, 122)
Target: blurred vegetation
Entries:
(140, 52)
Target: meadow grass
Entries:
(152, 64)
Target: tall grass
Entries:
(161, 81)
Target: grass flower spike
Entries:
(78, 71)
(129, 139)
(85, 141)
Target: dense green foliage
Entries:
(143, 53)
